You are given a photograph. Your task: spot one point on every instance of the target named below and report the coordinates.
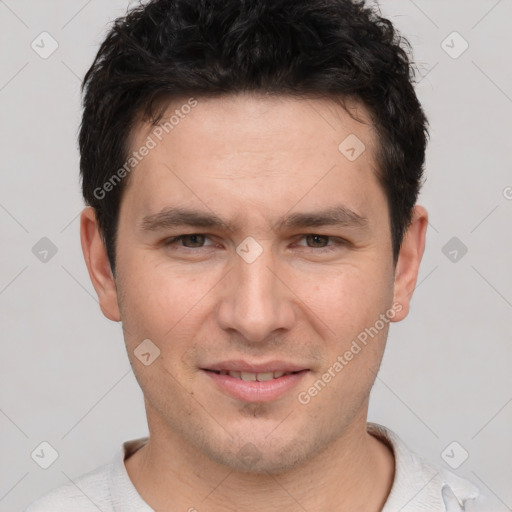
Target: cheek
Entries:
(348, 298)
(160, 303)
(151, 285)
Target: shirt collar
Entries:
(417, 484)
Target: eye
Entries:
(315, 241)
(190, 241)
(318, 241)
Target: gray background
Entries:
(65, 376)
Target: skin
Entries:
(251, 160)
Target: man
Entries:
(251, 170)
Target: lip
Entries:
(255, 391)
(244, 366)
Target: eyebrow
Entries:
(172, 217)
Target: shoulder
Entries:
(420, 484)
(459, 494)
(89, 492)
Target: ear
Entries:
(409, 259)
(96, 259)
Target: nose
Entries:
(256, 301)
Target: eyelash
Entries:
(336, 242)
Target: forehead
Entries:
(253, 148)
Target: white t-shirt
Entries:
(418, 486)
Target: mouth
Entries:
(265, 385)
(252, 377)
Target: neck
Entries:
(354, 474)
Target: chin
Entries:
(261, 456)
(251, 461)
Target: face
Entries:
(251, 244)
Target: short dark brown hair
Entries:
(166, 49)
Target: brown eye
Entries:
(195, 240)
(190, 241)
(317, 241)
